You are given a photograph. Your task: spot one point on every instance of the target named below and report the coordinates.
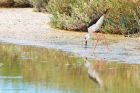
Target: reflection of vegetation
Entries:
(9, 56)
(119, 78)
(62, 71)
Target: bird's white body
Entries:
(94, 27)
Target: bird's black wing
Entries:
(93, 20)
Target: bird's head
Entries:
(85, 42)
(106, 11)
(86, 62)
(86, 37)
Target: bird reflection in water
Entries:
(93, 74)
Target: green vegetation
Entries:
(22, 3)
(40, 5)
(74, 14)
(14, 3)
(6, 3)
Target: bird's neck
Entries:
(87, 64)
(100, 21)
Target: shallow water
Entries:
(27, 69)
(126, 51)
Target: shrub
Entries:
(39, 5)
(66, 14)
(124, 15)
(6, 3)
(21, 3)
(14, 3)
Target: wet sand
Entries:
(23, 26)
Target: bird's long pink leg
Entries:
(95, 35)
(107, 46)
(97, 40)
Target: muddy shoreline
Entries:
(24, 27)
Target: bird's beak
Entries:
(85, 59)
(105, 12)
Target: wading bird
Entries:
(93, 27)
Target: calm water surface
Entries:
(27, 69)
